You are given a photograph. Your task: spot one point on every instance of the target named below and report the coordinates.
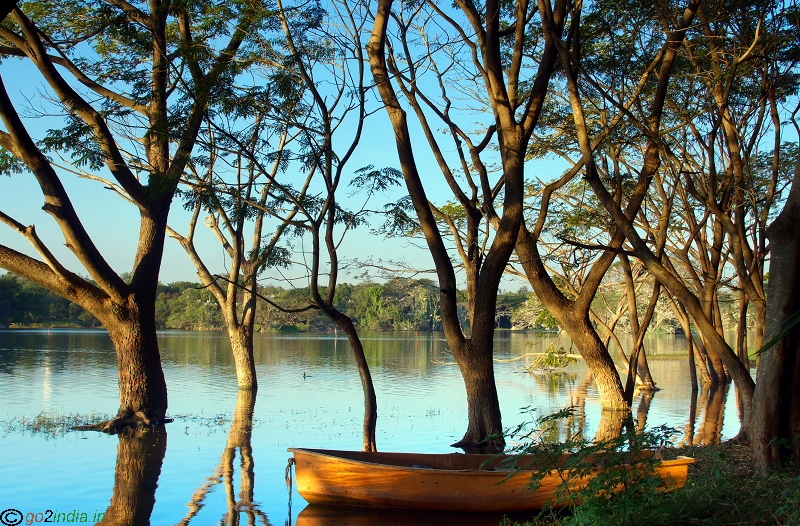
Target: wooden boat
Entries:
(447, 482)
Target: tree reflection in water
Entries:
(140, 455)
(711, 405)
(239, 438)
(712, 398)
(644, 408)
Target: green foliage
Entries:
(373, 311)
(533, 315)
(401, 304)
(721, 488)
(553, 358)
(194, 308)
(604, 482)
(23, 302)
(50, 424)
(371, 180)
(400, 219)
(10, 163)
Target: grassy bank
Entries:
(721, 490)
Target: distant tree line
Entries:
(400, 304)
(23, 302)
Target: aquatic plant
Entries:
(552, 359)
(51, 423)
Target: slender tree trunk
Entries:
(140, 455)
(716, 369)
(241, 338)
(707, 374)
(741, 330)
(370, 399)
(641, 366)
(696, 361)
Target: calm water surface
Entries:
(207, 470)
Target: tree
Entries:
(229, 209)
(774, 428)
(503, 53)
(676, 27)
(147, 80)
(328, 61)
(608, 79)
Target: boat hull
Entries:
(447, 482)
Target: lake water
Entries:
(206, 470)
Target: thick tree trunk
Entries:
(774, 426)
(242, 346)
(140, 455)
(585, 338)
(484, 427)
(574, 319)
(595, 354)
(142, 387)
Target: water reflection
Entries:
(644, 408)
(139, 459)
(712, 399)
(240, 439)
(555, 382)
(211, 463)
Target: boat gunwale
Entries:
(505, 473)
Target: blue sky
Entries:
(113, 223)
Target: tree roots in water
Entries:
(125, 420)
